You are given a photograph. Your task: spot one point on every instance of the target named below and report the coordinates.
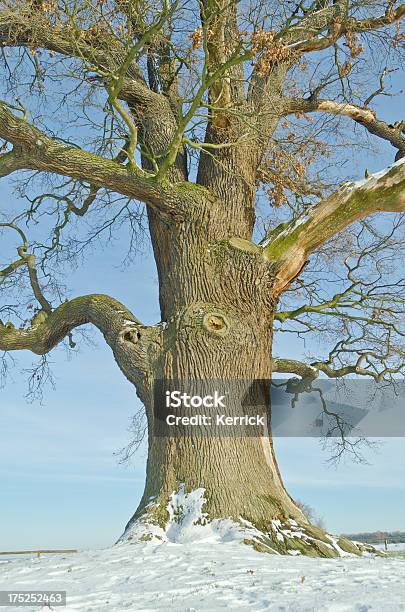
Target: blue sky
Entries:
(62, 486)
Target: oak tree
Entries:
(231, 125)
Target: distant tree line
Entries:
(375, 537)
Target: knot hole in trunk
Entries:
(216, 323)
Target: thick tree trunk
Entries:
(235, 465)
(239, 475)
(218, 306)
(238, 470)
(232, 482)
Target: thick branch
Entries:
(364, 116)
(46, 154)
(116, 65)
(289, 245)
(103, 53)
(42, 338)
(132, 343)
(292, 366)
(220, 30)
(390, 17)
(312, 25)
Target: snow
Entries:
(295, 44)
(194, 576)
(335, 545)
(186, 518)
(288, 230)
(187, 523)
(373, 178)
(368, 182)
(191, 564)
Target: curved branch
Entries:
(116, 65)
(43, 337)
(390, 17)
(311, 41)
(29, 260)
(103, 53)
(132, 343)
(338, 427)
(312, 24)
(362, 115)
(289, 245)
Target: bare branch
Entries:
(338, 24)
(381, 89)
(114, 60)
(305, 371)
(362, 115)
(132, 343)
(27, 259)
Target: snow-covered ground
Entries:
(195, 576)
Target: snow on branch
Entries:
(290, 244)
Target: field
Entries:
(202, 575)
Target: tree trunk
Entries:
(218, 307)
(239, 475)
(237, 471)
(235, 465)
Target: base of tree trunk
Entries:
(182, 520)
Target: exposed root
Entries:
(290, 538)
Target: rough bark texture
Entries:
(216, 298)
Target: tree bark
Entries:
(218, 306)
(214, 343)
(239, 473)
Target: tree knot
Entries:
(216, 323)
(132, 335)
